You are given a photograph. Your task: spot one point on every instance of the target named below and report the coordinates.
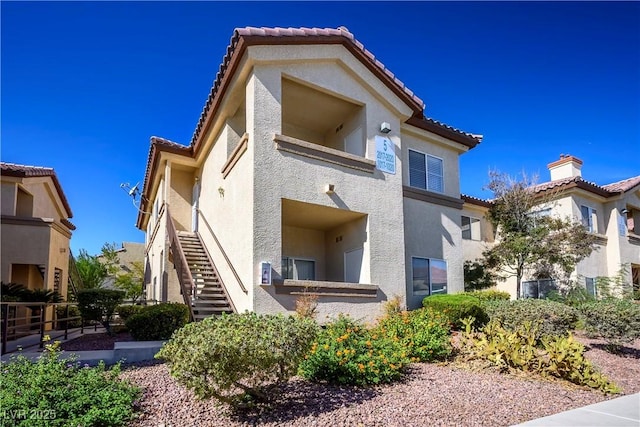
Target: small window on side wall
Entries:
(426, 172)
(429, 276)
(590, 283)
(589, 218)
(298, 269)
(470, 228)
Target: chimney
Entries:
(567, 167)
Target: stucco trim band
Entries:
(431, 197)
(235, 155)
(634, 239)
(319, 152)
(329, 289)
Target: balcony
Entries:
(324, 251)
(323, 126)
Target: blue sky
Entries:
(84, 85)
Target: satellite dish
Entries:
(134, 191)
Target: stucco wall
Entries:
(227, 209)
(432, 231)
(281, 175)
(8, 201)
(33, 247)
(179, 197)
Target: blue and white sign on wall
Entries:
(385, 155)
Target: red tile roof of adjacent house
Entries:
(253, 36)
(608, 190)
(475, 200)
(624, 185)
(24, 171)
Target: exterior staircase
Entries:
(209, 297)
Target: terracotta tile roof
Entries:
(243, 37)
(579, 182)
(157, 145)
(25, 171)
(68, 224)
(475, 200)
(254, 36)
(624, 185)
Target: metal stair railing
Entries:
(180, 262)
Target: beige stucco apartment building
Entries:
(35, 228)
(611, 212)
(312, 170)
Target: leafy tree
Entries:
(109, 258)
(477, 276)
(91, 270)
(529, 242)
(99, 304)
(131, 281)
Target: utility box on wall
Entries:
(265, 273)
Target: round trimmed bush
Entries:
(490, 295)
(238, 358)
(157, 322)
(616, 321)
(126, 311)
(457, 307)
(552, 318)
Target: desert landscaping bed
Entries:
(431, 394)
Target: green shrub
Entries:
(157, 322)
(126, 311)
(346, 352)
(246, 352)
(616, 321)
(489, 295)
(423, 333)
(521, 349)
(99, 304)
(73, 311)
(457, 307)
(55, 392)
(549, 317)
(572, 296)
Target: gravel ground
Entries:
(430, 395)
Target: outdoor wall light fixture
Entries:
(385, 127)
(329, 188)
(624, 211)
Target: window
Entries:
(590, 283)
(470, 228)
(426, 172)
(589, 218)
(298, 269)
(429, 276)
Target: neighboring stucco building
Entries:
(128, 254)
(611, 212)
(35, 228)
(312, 169)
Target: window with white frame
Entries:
(429, 276)
(590, 284)
(470, 228)
(589, 218)
(298, 268)
(426, 172)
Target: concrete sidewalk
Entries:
(621, 412)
